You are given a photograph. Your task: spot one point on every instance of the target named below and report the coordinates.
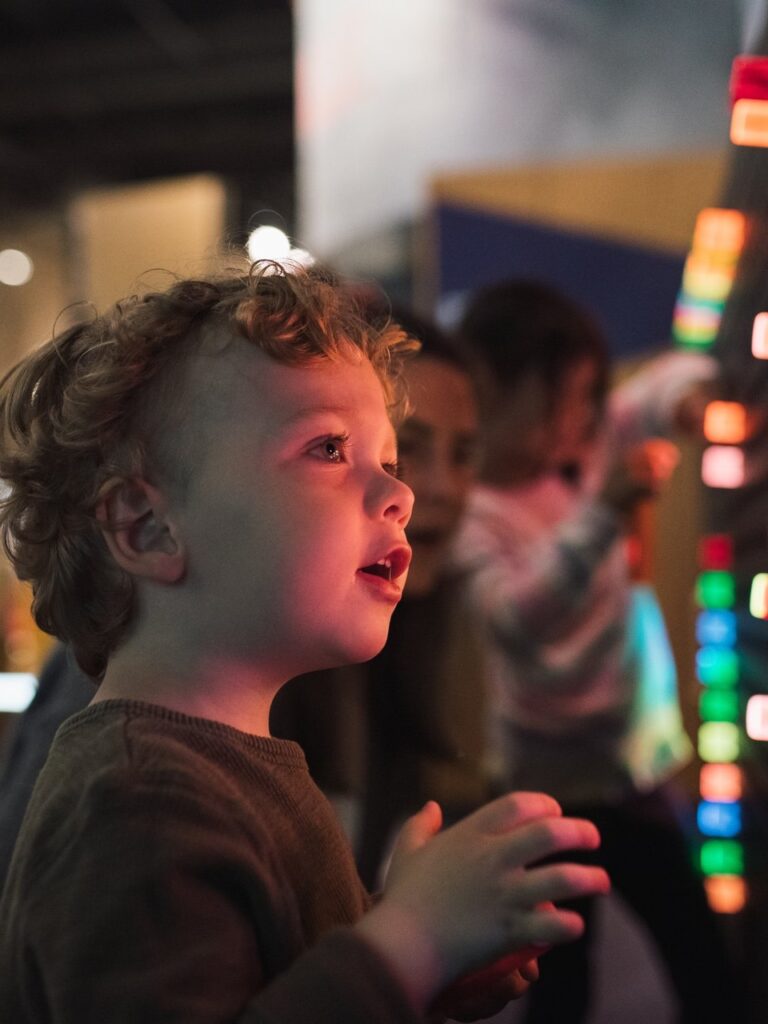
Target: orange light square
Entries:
(723, 782)
(725, 422)
(726, 894)
(749, 123)
(720, 230)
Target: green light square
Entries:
(716, 589)
(719, 706)
(722, 857)
(717, 666)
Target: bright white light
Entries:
(302, 257)
(15, 267)
(16, 691)
(268, 243)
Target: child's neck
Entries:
(221, 690)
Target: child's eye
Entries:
(331, 449)
(394, 469)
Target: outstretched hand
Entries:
(639, 473)
(456, 901)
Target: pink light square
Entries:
(722, 466)
(760, 336)
(757, 717)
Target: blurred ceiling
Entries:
(95, 92)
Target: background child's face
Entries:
(293, 498)
(528, 430)
(436, 447)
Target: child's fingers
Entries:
(419, 828)
(546, 927)
(541, 838)
(512, 810)
(529, 971)
(539, 886)
(663, 456)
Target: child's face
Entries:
(292, 500)
(528, 431)
(574, 414)
(437, 446)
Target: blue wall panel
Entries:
(631, 288)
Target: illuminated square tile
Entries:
(749, 78)
(722, 857)
(717, 667)
(760, 336)
(720, 230)
(749, 123)
(719, 742)
(757, 717)
(716, 589)
(708, 279)
(722, 466)
(717, 628)
(721, 782)
(719, 819)
(725, 422)
(719, 706)
(726, 894)
(758, 596)
(716, 551)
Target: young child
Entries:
(543, 542)
(202, 489)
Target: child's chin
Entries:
(364, 648)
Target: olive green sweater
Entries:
(174, 869)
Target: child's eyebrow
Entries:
(318, 410)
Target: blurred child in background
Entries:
(583, 685)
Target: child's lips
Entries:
(384, 572)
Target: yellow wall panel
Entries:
(122, 232)
(648, 201)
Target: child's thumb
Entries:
(420, 828)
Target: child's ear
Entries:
(140, 534)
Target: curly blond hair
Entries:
(87, 405)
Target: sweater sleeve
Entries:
(525, 589)
(161, 910)
(341, 980)
(645, 404)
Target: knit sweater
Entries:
(176, 869)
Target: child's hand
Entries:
(456, 901)
(486, 992)
(688, 414)
(639, 473)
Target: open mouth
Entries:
(382, 568)
(391, 566)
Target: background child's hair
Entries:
(517, 327)
(102, 399)
(377, 309)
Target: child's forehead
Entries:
(239, 378)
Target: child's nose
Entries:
(392, 499)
